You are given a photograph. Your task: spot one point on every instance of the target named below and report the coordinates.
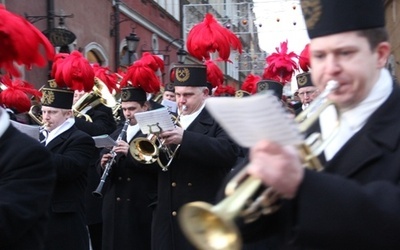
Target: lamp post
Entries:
(132, 41)
(181, 55)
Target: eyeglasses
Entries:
(308, 93)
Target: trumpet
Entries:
(147, 150)
(110, 162)
(213, 227)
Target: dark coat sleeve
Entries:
(74, 157)
(102, 121)
(26, 183)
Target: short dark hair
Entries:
(374, 36)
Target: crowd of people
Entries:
(47, 184)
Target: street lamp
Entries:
(181, 55)
(132, 40)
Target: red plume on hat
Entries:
(280, 64)
(153, 61)
(73, 71)
(214, 74)
(17, 94)
(210, 36)
(109, 78)
(20, 42)
(304, 58)
(225, 90)
(250, 83)
(141, 75)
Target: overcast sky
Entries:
(290, 27)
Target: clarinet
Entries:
(110, 162)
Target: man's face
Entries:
(54, 117)
(168, 95)
(190, 97)
(130, 109)
(77, 95)
(347, 58)
(307, 94)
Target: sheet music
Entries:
(31, 130)
(248, 120)
(154, 121)
(170, 105)
(104, 141)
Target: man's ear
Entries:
(206, 92)
(383, 52)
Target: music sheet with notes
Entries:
(154, 121)
(249, 119)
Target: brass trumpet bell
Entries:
(145, 150)
(35, 112)
(213, 227)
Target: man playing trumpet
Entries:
(354, 202)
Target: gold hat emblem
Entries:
(302, 80)
(262, 86)
(312, 11)
(241, 93)
(52, 83)
(48, 97)
(182, 74)
(125, 95)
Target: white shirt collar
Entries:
(352, 120)
(186, 120)
(131, 132)
(60, 129)
(4, 121)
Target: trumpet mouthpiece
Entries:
(332, 85)
(184, 107)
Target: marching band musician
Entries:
(72, 151)
(354, 202)
(131, 188)
(23, 215)
(306, 91)
(169, 92)
(102, 122)
(205, 156)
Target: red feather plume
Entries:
(225, 90)
(153, 61)
(280, 65)
(17, 94)
(73, 71)
(109, 78)
(250, 83)
(304, 58)
(210, 36)
(20, 42)
(214, 74)
(140, 75)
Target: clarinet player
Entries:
(130, 189)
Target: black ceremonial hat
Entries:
(132, 94)
(304, 80)
(169, 87)
(327, 17)
(275, 86)
(190, 75)
(53, 96)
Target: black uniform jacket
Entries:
(26, 184)
(129, 197)
(354, 202)
(205, 156)
(102, 123)
(72, 152)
